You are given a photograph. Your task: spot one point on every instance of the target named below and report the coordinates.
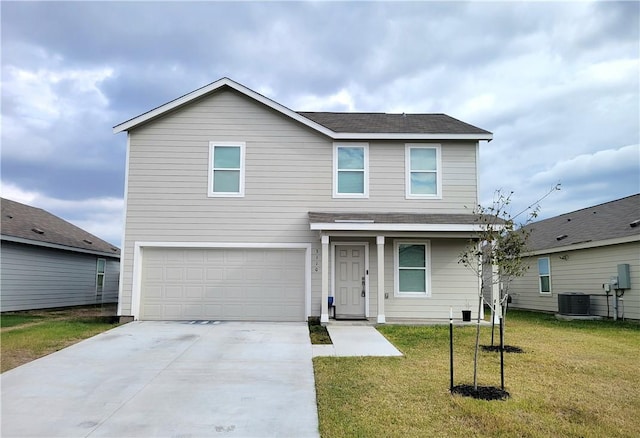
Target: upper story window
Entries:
(226, 169)
(544, 275)
(351, 170)
(423, 171)
(412, 261)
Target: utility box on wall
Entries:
(624, 280)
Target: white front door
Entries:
(350, 287)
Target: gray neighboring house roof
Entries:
(25, 224)
(392, 123)
(617, 219)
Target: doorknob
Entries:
(363, 288)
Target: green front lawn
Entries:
(574, 379)
(27, 336)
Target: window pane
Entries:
(226, 181)
(350, 182)
(543, 266)
(226, 157)
(411, 256)
(100, 282)
(423, 159)
(350, 158)
(423, 183)
(544, 284)
(101, 265)
(412, 280)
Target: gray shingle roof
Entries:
(26, 222)
(392, 123)
(601, 222)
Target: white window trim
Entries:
(396, 269)
(210, 192)
(407, 169)
(366, 170)
(547, 275)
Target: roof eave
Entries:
(183, 100)
(57, 246)
(409, 136)
(584, 245)
(169, 106)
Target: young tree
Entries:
(500, 242)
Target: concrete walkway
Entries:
(169, 379)
(355, 340)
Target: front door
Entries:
(350, 287)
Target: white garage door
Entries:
(223, 284)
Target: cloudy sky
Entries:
(557, 83)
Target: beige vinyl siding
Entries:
(583, 271)
(452, 285)
(288, 172)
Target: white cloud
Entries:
(47, 103)
(340, 101)
(617, 163)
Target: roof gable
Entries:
(611, 220)
(33, 225)
(338, 126)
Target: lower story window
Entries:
(544, 275)
(412, 261)
(100, 271)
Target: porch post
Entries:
(380, 245)
(324, 303)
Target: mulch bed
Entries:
(482, 393)
(507, 348)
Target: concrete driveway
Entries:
(169, 379)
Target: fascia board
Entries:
(331, 226)
(400, 136)
(56, 246)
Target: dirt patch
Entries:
(481, 393)
(507, 348)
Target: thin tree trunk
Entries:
(475, 357)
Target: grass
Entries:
(574, 379)
(26, 336)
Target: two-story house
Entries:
(238, 208)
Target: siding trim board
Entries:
(359, 226)
(138, 255)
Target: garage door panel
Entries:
(231, 284)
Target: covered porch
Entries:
(384, 267)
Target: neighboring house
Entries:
(47, 262)
(239, 208)
(580, 252)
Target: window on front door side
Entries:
(351, 173)
(226, 169)
(422, 164)
(412, 268)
